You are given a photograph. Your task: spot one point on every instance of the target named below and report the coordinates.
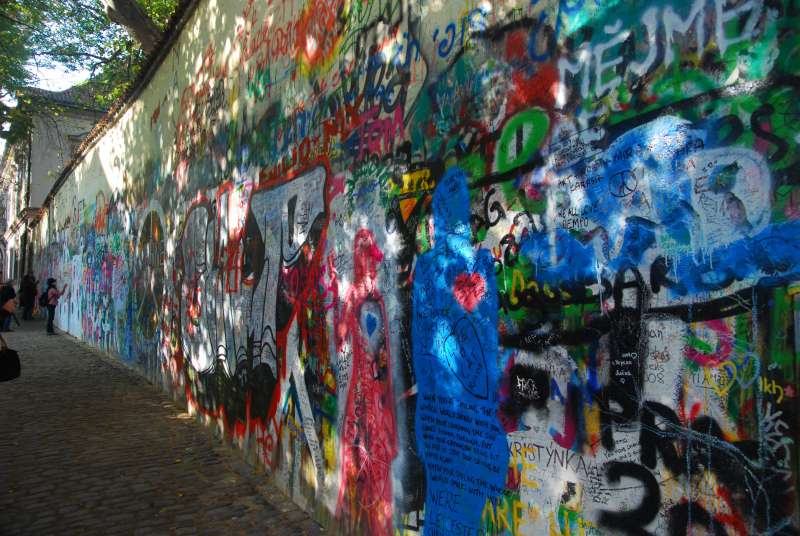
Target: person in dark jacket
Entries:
(6, 293)
(27, 296)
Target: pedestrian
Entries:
(27, 294)
(52, 300)
(7, 294)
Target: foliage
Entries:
(75, 34)
(18, 21)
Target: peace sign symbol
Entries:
(623, 183)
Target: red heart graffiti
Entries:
(469, 289)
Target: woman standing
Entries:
(52, 300)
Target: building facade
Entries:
(59, 121)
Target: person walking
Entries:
(53, 295)
(27, 295)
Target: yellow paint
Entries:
(488, 508)
(407, 206)
(502, 515)
(548, 292)
(498, 521)
(516, 279)
(770, 387)
(591, 419)
(516, 513)
(520, 465)
(328, 445)
(721, 390)
(417, 181)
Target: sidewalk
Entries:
(89, 447)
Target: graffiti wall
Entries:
(465, 268)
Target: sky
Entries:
(58, 78)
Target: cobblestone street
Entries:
(89, 447)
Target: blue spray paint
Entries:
(454, 334)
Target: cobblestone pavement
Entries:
(89, 447)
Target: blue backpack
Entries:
(43, 298)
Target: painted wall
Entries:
(466, 268)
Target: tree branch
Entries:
(19, 22)
(56, 53)
(130, 15)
